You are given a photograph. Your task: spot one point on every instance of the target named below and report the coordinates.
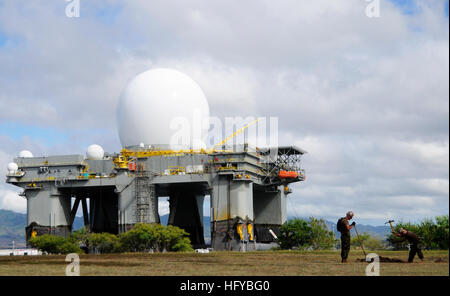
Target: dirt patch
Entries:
(440, 260)
(385, 259)
(396, 260)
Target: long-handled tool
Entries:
(390, 223)
(360, 242)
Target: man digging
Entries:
(414, 241)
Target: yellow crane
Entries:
(121, 162)
(237, 133)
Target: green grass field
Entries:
(270, 263)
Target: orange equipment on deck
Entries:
(287, 174)
(132, 166)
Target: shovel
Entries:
(360, 242)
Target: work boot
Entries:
(344, 260)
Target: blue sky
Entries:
(407, 6)
(16, 131)
(108, 14)
(410, 7)
(3, 39)
(367, 97)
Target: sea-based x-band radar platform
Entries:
(247, 186)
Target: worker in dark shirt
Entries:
(344, 227)
(414, 241)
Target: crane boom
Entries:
(236, 133)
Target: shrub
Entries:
(299, 233)
(294, 234)
(81, 236)
(52, 244)
(441, 234)
(155, 237)
(374, 243)
(355, 242)
(140, 238)
(321, 238)
(104, 242)
(175, 239)
(368, 242)
(68, 247)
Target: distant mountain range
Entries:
(374, 231)
(12, 228)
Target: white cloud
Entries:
(163, 207)
(438, 186)
(10, 200)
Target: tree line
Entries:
(314, 234)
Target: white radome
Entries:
(95, 152)
(12, 167)
(25, 154)
(163, 107)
